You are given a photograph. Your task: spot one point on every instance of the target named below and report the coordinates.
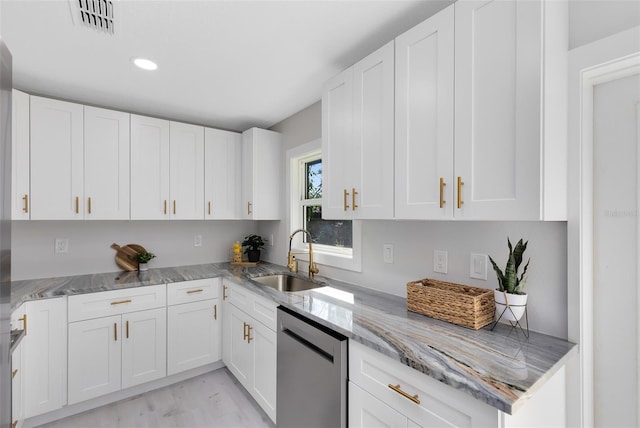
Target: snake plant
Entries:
(509, 281)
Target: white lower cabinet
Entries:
(17, 376)
(194, 324)
(388, 393)
(117, 339)
(250, 346)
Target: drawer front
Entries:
(237, 295)
(264, 311)
(107, 303)
(18, 318)
(192, 291)
(400, 387)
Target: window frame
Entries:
(342, 258)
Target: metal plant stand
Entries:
(517, 324)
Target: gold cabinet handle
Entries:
(224, 292)
(14, 424)
(14, 373)
(397, 389)
(249, 208)
(77, 205)
(345, 196)
(442, 184)
(244, 330)
(165, 207)
(215, 312)
(23, 318)
(249, 328)
(199, 290)
(209, 207)
(460, 184)
(89, 204)
(25, 208)
(127, 328)
(174, 206)
(353, 199)
(120, 302)
(115, 331)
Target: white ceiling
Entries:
(225, 64)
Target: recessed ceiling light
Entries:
(145, 64)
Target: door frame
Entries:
(607, 59)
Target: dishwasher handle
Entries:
(309, 345)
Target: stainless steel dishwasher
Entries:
(312, 374)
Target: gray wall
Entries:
(90, 242)
(591, 20)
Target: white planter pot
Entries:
(143, 266)
(515, 305)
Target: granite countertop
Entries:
(500, 367)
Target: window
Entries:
(335, 242)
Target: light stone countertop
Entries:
(501, 368)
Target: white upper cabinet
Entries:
(424, 119)
(358, 139)
(186, 171)
(56, 160)
(262, 175)
(510, 110)
(149, 168)
(20, 154)
(106, 164)
(222, 174)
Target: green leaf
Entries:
(499, 274)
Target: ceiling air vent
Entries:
(95, 14)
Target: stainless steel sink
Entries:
(287, 283)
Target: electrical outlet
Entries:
(478, 266)
(61, 245)
(387, 253)
(197, 241)
(440, 261)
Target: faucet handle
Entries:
(313, 269)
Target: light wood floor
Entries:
(215, 399)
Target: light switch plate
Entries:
(478, 266)
(61, 245)
(440, 261)
(197, 241)
(387, 250)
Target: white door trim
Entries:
(608, 59)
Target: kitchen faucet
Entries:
(292, 263)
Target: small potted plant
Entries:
(253, 243)
(511, 301)
(143, 259)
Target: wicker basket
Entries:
(463, 305)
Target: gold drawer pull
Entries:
(165, 207)
(397, 389)
(199, 290)
(224, 292)
(14, 373)
(23, 318)
(89, 204)
(209, 207)
(115, 331)
(120, 302)
(345, 195)
(77, 205)
(25, 198)
(442, 184)
(244, 331)
(249, 328)
(127, 325)
(249, 208)
(174, 206)
(215, 312)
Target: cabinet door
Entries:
(17, 390)
(149, 168)
(366, 411)
(94, 358)
(262, 174)
(424, 119)
(106, 160)
(193, 332)
(240, 358)
(371, 163)
(56, 160)
(263, 379)
(20, 154)
(144, 346)
(497, 109)
(46, 356)
(187, 171)
(222, 174)
(337, 133)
